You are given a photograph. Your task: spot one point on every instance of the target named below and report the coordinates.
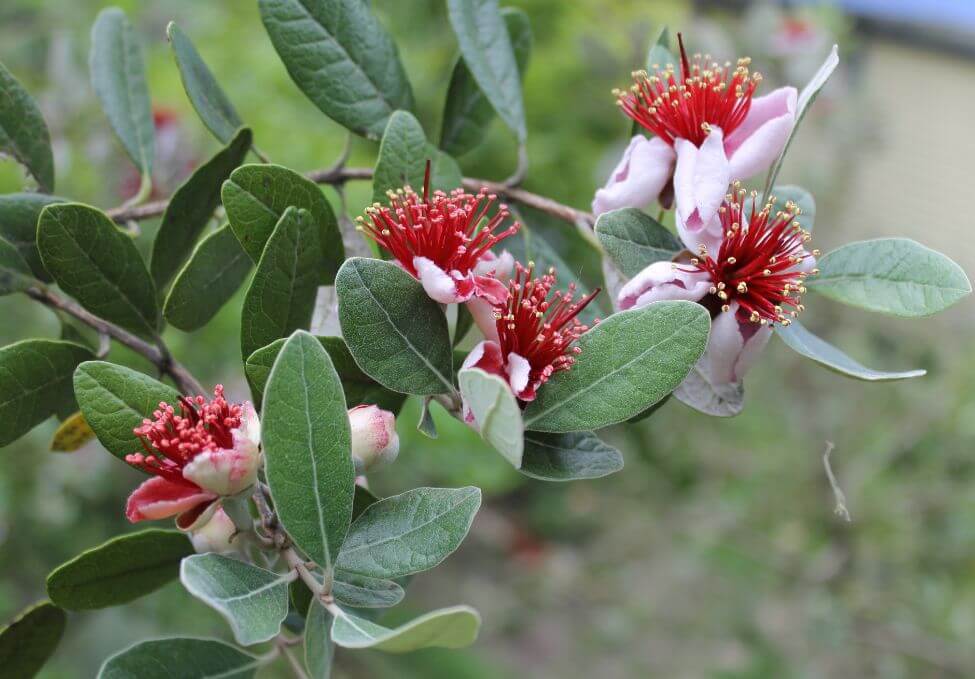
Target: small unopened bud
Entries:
(216, 535)
(374, 437)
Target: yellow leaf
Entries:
(73, 433)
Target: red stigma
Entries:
(704, 95)
(171, 441)
(539, 329)
(757, 262)
(453, 231)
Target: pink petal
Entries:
(483, 314)
(700, 183)
(198, 516)
(759, 140)
(491, 289)
(662, 280)
(518, 369)
(158, 498)
(639, 178)
(225, 471)
(499, 266)
(438, 283)
(486, 356)
(733, 347)
(756, 337)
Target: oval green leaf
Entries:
(115, 400)
(634, 240)
(119, 571)
(359, 388)
(628, 362)
(202, 89)
(340, 56)
(256, 197)
(281, 296)
(254, 601)
(568, 457)
(453, 627)
(805, 343)
(467, 113)
(496, 412)
(27, 642)
(487, 51)
(397, 334)
(98, 265)
(307, 445)
(319, 649)
(362, 591)
(410, 532)
(191, 207)
(15, 274)
(35, 381)
(896, 276)
(119, 80)
(19, 213)
(185, 658)
(215, 271)
(23, 133)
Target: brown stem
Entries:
(340, 175)
(157, 354)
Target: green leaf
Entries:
(215, 271)
(27, 642)
(426, 425)
(567, 457)
(659, 54)
(23, 133)
(362, 591)
(358, 387)
(340, 56)
(635, 240)
(185, 658)
(191, 207)
(307, 445)
(803, 342)
(19, 213)
(628, 362)
(254, 601)
(115, 400)
(363, 500)
(487, 51)
(281, 296)
(453, 627)
(496, 412)
(15, 275)
(98, 265)
(717, 400)
(35, 380)
(119, 80)
(402, 156)
(410, 532)
(896, 276)
(202, 89)
(119, 571)
(806, 98)
(467, 112)
(397, 334)
(256, 197)
(319, 650)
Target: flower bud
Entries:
(216, 535)
(374, 437)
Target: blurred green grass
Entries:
(714, 553)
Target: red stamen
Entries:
(757, 262)
(539, 329)
(687, 106)
(171, 441)
(452, 231)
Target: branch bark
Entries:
(341, 175)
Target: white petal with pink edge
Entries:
(439, 285)
(701, 181)
(640, 176)
(758, 141)
(662, 281)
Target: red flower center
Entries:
(450, 230)
(757, 262)
(539, 329)
(705, 95)
(171, 441)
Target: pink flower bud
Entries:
(216, 535)
(374, 438)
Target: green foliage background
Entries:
(714, 553)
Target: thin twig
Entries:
(158, 355)
(840, 509)
(341, 175)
